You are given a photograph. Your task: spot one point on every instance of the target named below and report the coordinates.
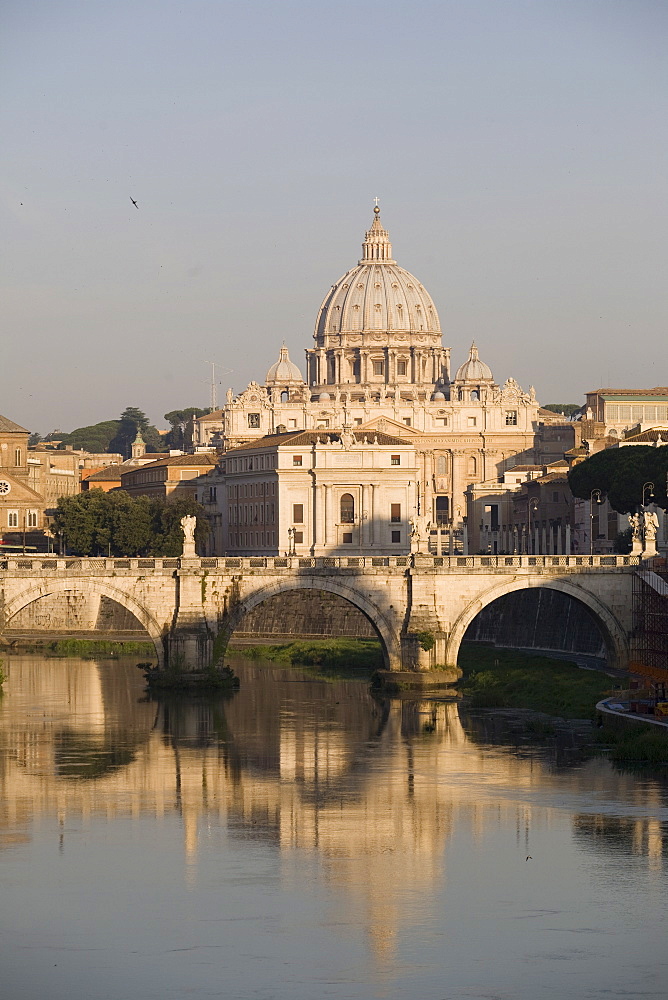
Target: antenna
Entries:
(212, 381)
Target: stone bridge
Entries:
(191, 606)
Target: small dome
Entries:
(474, 370)
(438, 396)
(324, 397)
(284, 371)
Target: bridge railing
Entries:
(39, 565)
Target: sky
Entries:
(518, 148)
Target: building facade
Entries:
(378, 365)
(318, 493)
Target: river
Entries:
(304, 839)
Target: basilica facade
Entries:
(377, 367)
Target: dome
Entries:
(438, 396)
(474, 370)
(284, 371)
(324, 397)
(377, 296)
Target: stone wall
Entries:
(306, 613)
(538, 619)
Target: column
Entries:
(327, 516)
(319, 526)
(567, 547)
(543, 549)
(374, 514)
(364, 517)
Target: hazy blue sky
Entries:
(519, 150)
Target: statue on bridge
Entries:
(189, 523)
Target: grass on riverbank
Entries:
(341, 653)
(637, 744)
(498, 678)
(87, 648)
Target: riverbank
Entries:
(499, 678)
(85, 648)
(334, 654)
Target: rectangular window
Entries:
(12, 518)
(298, 513)
(407, 421)
(253, 419)
(378, 367)
(396, 537)
(292, 423)
(322, 423)
(401, 367)
(347, 538)
(395, 512)
(440, 421)
(395, 459)
(555, 497)
(511, 418)
(297, 460)
(358, 421)
(471, 421)
(299, 537)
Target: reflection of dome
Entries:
(474, 370)
(284, 371)
(377, 295)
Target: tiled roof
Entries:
(199, 460)
(307, 438)
(111, 474)
(658, 390)
(9, 427)
(651, 436)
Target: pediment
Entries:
(389, 426)
(18, 492)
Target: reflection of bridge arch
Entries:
(87, 586)
(613, 633)
(387, 633)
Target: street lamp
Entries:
(291, 541)
(597, 494)
(533, 506)
(650, 487)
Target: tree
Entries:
(95, 438)
(34, 439)
(567, 409)
(621, 473)
(178, 420)
(116, 524)
(134, 420)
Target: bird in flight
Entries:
(134, 203)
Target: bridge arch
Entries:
(614, 635)
(88, 586)
(387, 630)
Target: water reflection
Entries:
(374, 788)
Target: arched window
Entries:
(441, 465)
(475, 396)
(347, 508)
(17, 456)
(473, 466)
(285, 397)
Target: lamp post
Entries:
(650, 487)
(291, 541)
(597, 494)
(533, 506)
